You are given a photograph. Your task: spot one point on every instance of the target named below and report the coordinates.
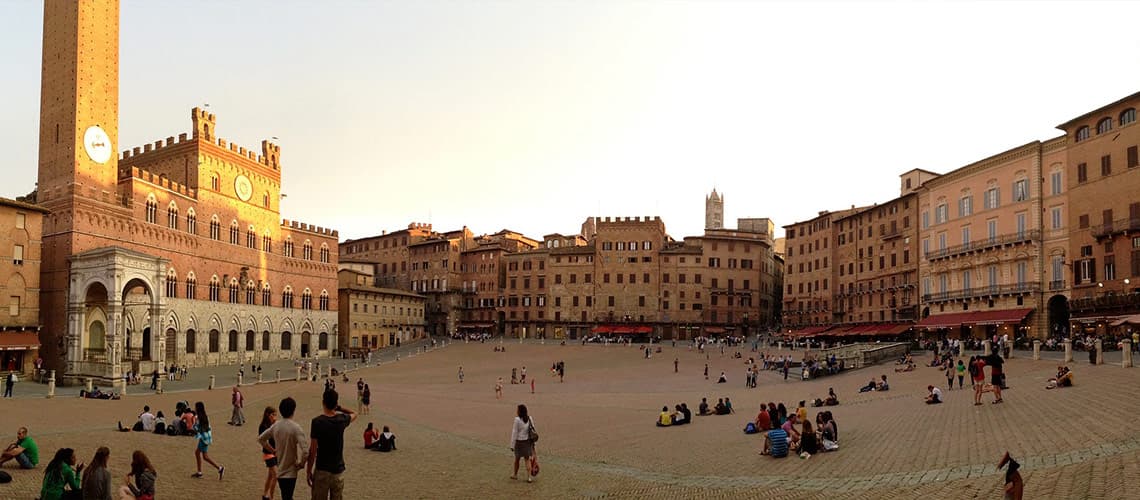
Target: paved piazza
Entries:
(598, 438)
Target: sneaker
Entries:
(530, 479)
(221, 470)
(196, 475)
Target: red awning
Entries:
(714, 329)
(19, 341)
(642, 329)
(992, 317)
(602, 329)
(625, 330)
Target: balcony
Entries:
(985, 244)
(890, 235)
(1123, 302)
(1056, 285)
(1115, 227)
(985, 291)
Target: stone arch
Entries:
(1058, 309)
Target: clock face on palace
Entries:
(243, 188)
(97, 144)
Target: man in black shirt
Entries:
(326, 448)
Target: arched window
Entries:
(251, 238)
(250, 340)
(306, 299)
(233, 290)
(1082, 133)
(265, 200)
(191, 221)
(171, 283)
(1127, 116)
(286, 341)
(191, 342)
(323, 341)
(151, 209)
(172, 216)
(250, 293)
(215, 181)
(1103, 126)
(325, 253)
(215, 340)
(233, 341)
(215, 289)
(266, 295)
(235, 233)
(215, 228)
(325, 300)
(266, 243)
(191, 286)
(265, 340)
(307, 250)
(288, 246)
(287, 298)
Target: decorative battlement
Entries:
(158, 180)
(311, 228)
(420, 225)
(613, 220)
(204, 130)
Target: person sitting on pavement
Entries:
(688, 414)
(723, 379)
(909, 367)
(61, 476)
(666, 418)
(809, 442)
(763, 422)
(793, 434)
(1064, 378)
(832, 399)
(703, 408)
(935, 395)
(869, 387)
(728, 406)
(24, 450)
(775, 443)
(371, 437)
(160, 423)
(387, 441)
(883, 386)
(720, 409)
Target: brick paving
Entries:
(598, 438)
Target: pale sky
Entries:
(534, 115)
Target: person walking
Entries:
(706, 371)
(288, 443)
(238, 402)
(268, 418)
(360, 395)
(205, 439)
(961, 373)
(461, 374)
(366, 400)
(675, 365)
(499, 388)
(523, 438)
(9, 384)
(326, 448)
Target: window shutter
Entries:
(1076, 272)
(1092, 269)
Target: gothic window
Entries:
(306, 299)
(233, 291)
(215, 229)
(171, 283)
(172, 216)
(250, 293)
(324, 305)
(191, 286)
(191, 221)
(287, 298)
(215, 289)
(307, 251)
(235, 233)
(266, 295)
(324, 253)
(251, 238)
(151, 209)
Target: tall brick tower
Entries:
(714, 211)
(79, 127)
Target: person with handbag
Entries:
(523, 438)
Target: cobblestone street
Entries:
(598, 438)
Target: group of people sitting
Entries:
(782, 435)
(500, 348)
(183, 424)
(881, 385)
(95, 393)
(907, 363)
(1064, 378)
(379, 441)
(832, 399)
(680, 416)
(723, 407)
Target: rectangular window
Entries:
(1109, 267)
(1133, 158)
(1021, 190)
(21, 218)
(992, 273)
(1055, 183)
(1055, 214)
(1022, 273)
(992, 198)
(966, 206)
(991, 230)
(1082, 173)
(1106, 165)
(942, 241)
(966, 285)
(1021, 225)
(1083, 221)
(611, 300)
(14, 305)
(966, 235)
(925, 220)
(925, 247)
(18, 255)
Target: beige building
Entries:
(983, 246)
(373, 318)
(389, 251)
(21, 226)
(571, 293)
(810, 273)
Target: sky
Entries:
(535, 115)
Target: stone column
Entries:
(161, 377)
(88, 384)
(278, 379)
(259, 377)
(1036, 350)
(158, 333)
(51, 384)
(76, 319)
(1009, 348)
(1125, 354)
(211, 383)
(241, 379)
(1099, 352)
(114, 344)
(1068, 350)
(986, 348)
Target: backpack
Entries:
(750, 428)
(5, 477)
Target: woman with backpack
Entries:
(523, 437)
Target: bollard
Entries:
(241, 378)
(1009, 349)
(123, 392)
(1036, 350)
(1126, 354)
(158, 386)
(780, 345)
(1068, 350)
(211, 383)
(87, 384)
(1099, 352)
(330, 370)
(298, 373)
(259, 377)
(51, 383)
(986, 348)
(278, 379)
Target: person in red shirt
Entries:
(978, 376)
(371, 436)
(763, 421)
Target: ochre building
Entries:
(21, 226)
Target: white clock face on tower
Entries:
(98, 144)
(243, 188)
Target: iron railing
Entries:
(984, 244)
